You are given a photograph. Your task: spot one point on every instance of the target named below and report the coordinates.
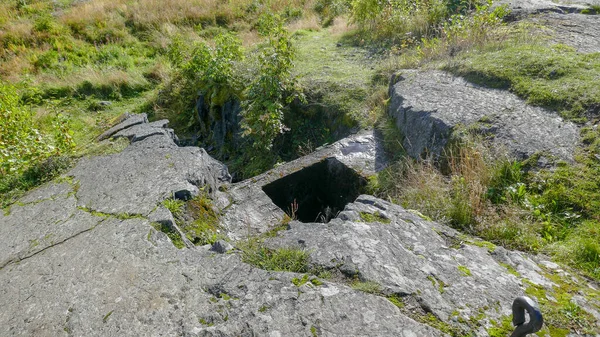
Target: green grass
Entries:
(367, 287)
(375, 217)
(338, 77)
(556, 77)
(12, 187)
(172, 234)
(464, 270)
(175, 206)
(280, 259)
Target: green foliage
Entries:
(367, 287)
(171, 233)
(21, 144)
(506, 183)
(374, 217)
(13, 186)
(204, 228)
(273, 88)
(29, 156)
(404, 21)
(396, 300)
(582, 248)
(464, 270)
(175, 206)
(501, 329)
(211, 68)
(280, 259)
(328, 10)
(298, 282)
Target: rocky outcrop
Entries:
(579, 31)
(574, 23)
(150, 170)
(521, 8)
(429, 105)
(248, 210)
(431, 267)
(80, 257)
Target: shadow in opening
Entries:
(316, 193)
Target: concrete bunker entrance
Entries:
(318, 192)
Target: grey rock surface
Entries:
(428, 105)
(246, 208)
(430, 266)
(118, 280)
(142, 131)
(130, 120)
(80, 257)
(579, 31)
(145, 173)
(522, 8)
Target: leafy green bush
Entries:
(208, 70)
(212, 68)
(273, 88)
(21, 144)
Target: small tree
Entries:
(213, 68)
(274, 87)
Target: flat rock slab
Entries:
(125, 279)
(579, 31)
(521, 8)
(428, 105)
(130, 121)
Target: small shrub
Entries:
(273, 88)
(21, 144)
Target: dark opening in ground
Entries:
(316, 193)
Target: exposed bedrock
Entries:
(429, 105)
(80, 257)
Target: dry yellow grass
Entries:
(158, 12)
(307, 22)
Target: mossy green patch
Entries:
(501, 329)
(374, 217)
(464, 270)
(396, 300)
(510, 269)
(298, 282)
(366, 286)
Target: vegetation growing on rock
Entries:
(304, 74)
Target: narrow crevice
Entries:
(18, 259)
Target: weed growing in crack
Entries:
(173, 235)
(280, 259)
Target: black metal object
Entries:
(521, 305)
